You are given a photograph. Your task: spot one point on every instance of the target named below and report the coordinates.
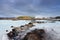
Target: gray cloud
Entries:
(29, 7)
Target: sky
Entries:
(13, 8)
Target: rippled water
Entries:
(6, 25)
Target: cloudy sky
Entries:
(12, 8)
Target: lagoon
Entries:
(6, 25)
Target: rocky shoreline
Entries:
(23, 32)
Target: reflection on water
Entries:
(6, 25)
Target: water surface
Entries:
(6, 25)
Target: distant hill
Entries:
(25, 17)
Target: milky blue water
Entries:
(6, 25)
